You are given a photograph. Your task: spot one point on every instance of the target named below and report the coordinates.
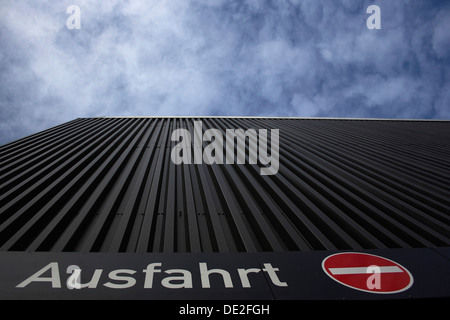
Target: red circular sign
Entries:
(367, 272)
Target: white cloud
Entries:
(441, 37)
(296, 58)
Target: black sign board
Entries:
(207, 276)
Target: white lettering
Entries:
(74, 281)
(186, 279)
(196, 310)
(271, 271)
(240, 136)
(245, 309)
(374, 281)
(204, 274)
(114, 275)
(181, 153)
(374, 21)
(149, 272)
(54, 278)
(177, 279)
(244, 278)
(213, 152)
(274, 157)
(198, 142)
(74, 20)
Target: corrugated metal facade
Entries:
(109, 185)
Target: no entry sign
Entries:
(367, 272)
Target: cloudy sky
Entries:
(306, 58)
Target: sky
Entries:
(288, 58)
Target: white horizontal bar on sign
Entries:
(356, 270)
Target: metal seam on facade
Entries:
(108, 185)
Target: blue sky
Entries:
(221, 57)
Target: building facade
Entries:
(252, 197)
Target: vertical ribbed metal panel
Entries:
(109, 185)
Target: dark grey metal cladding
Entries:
(109, 185)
